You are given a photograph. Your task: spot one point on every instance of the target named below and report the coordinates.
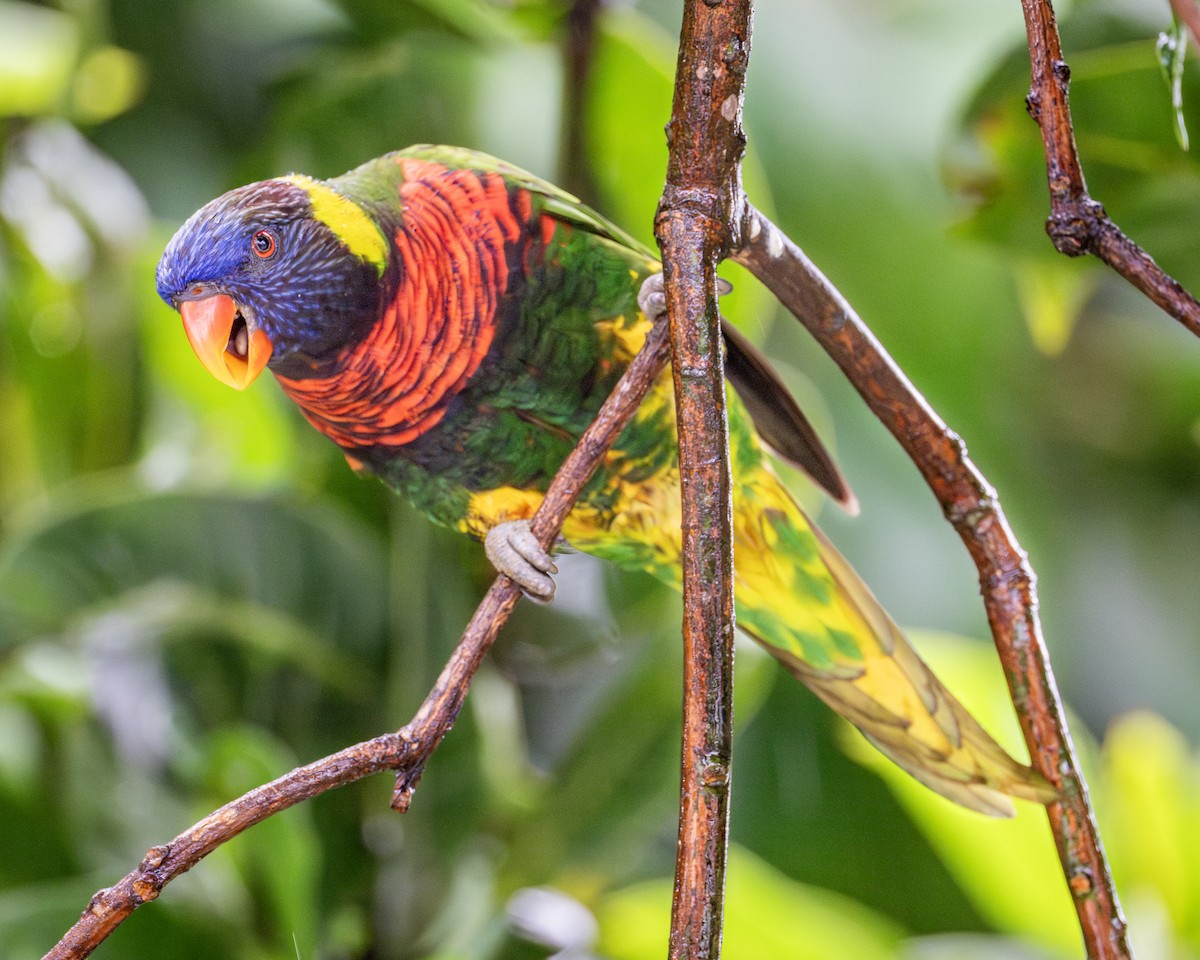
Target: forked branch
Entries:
(1077, 223)
(1007, 582)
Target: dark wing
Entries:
(779, 421)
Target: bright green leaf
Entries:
(1150, 813)
(766, 915)
(1008, 867)
(277, 860)
(37, 51)
(1053, 293)
(108, 82)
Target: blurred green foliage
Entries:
(197, 595)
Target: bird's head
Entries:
(283, 273)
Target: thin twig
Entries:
(1077, 223)
(406, 751)
(579, 53)
(700, 202)
(1007, 581)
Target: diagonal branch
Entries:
(1077, 223)
(406, 751)
(1006, 579)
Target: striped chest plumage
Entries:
(466, 240)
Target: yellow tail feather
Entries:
(800, 600)
(872, 675)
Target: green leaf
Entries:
(108, 82)
(1149, 808)
(106, 548)
(38, 46)
(766, 915)
(277, 861)
(1053, 295)
(1007, 867)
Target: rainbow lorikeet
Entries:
(453, 323)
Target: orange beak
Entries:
(224, 342)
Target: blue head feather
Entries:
(312, 297)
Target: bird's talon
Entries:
(515, 551)
(652, 297)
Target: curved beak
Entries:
(229, 349)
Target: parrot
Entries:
(453, 323)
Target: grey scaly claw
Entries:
(514, 551)
(652, 297)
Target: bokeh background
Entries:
(197, 595)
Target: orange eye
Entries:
(263, 244)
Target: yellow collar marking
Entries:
(346, 219)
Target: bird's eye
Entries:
(263, 244)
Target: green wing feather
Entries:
(775, 414)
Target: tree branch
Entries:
(701, 202)
(1006, 579)
(579, 54)
(1077, 223)
(406, 751)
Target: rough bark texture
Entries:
(701, 202)
(1007, 582)
(1078, 224)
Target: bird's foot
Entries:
(514, 551)
(652, 297)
